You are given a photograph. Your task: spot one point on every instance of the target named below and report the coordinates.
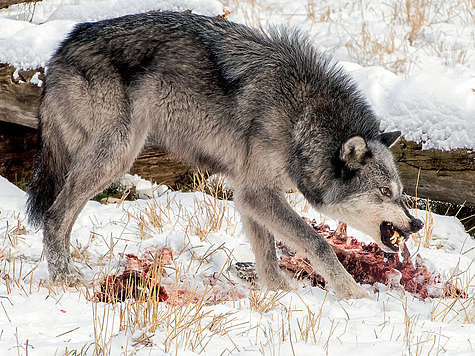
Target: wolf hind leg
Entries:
(263, 246)
(95, 168)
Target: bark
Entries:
(7, 3)
(447, 176)
(19, 98)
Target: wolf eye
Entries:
(385, 191)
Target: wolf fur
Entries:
(265, 109)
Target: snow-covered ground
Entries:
(306, 321)
(430, 99)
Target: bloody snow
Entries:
(367, 263)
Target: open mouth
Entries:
(391, 236)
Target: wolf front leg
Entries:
(269, 208)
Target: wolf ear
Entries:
(390, 138)
(355, 152)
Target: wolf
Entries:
(264, 108)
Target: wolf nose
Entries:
(416, 225)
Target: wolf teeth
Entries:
(400, 239)
(396, 238)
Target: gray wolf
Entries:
(265, 109)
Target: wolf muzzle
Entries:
(416, 224)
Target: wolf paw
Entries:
(69, 275)
(351, 290)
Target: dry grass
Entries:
(187, 324)
(424, 237)
(309, 326)
(12, 235)
(149, 219)
(428, 228)
(370, 50)
(397, 44)
(294, 325)
(416, 340)
(458, 304)
(395, 40)
(416, 16)
(264, 301)
(210, 213)
(14, 272)
(318, 14)
(297, 201)
(252, 14)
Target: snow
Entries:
(30, 44)
(434, 109)
(36, 80)
(431, 99)
(144, 189)
(307, 321)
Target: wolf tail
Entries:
(49, 176)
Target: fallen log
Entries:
(19, 97)
(447, 176)
(6, 3)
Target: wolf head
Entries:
(365, 191)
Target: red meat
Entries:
(368, 264)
